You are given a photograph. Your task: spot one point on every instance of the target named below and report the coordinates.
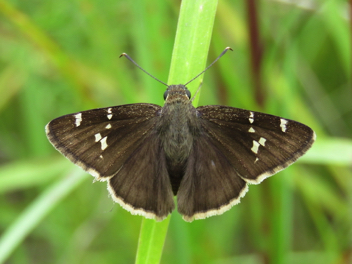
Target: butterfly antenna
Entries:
(135, 63)
(198, 89)
(222, 54)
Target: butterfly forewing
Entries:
(257, 144)
(100, 140)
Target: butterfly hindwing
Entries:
(100, 140)
(211, 185)
(142, 185)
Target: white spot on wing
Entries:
(251, 130)
(78, 119)
(256, 159)
(109, 116)
(108, 126)
(104, 145)
(255, 147)
(262, 141)
(251, 117)
(97, 137)
(283, 123)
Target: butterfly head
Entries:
(177, 93)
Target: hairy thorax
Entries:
(176, 134)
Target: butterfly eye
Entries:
(188, 93)
(166, 94)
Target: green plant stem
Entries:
(189, 58)
(192, 42)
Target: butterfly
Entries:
(206, 156)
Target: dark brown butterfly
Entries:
(205, 155)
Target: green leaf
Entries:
(35, 212)
(151, 240)
(28, 173)
(192, 42)
(332, 151)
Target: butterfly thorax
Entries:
(175, 132)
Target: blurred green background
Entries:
(60, 57)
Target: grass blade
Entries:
(35, 213)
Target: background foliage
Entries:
(59, 57)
